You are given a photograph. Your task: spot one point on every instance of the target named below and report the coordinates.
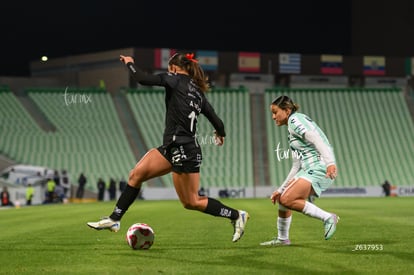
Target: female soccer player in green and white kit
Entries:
(313, 170)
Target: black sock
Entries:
(216, 208)
(127, 197)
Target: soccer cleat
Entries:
(330, 226)
(239, 225)
(276, 242)
(105, 223)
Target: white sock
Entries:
(315, 212)
(283, 226)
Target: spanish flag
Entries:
(249, 62)
(161, 57)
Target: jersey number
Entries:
(193, 117)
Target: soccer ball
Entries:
(140, 236)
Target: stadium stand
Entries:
(371, 130)
(227, 166)
(89, 137)
(18, 130)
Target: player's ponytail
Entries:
(188, 63)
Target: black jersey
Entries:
(184, 102)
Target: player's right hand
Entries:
(275, 197)
(126, 59)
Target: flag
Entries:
(249, 62)
(374, 65)
(331, 64)
(289, 63)
(161, 57)
(409, 66)
(208, 60)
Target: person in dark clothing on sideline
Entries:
(101, 189)
(386, 187)
(65, 183)
(112, 189)
(5, 197)
(122, 185)
(81, 188)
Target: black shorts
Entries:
(184, 157)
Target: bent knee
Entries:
(285, 201)
(132, 176)
(136, 177)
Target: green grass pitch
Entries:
(374, 236)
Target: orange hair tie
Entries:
(190, 56)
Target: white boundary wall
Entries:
(159, 193)
(151, 193)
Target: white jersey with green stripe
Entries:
(298, 125)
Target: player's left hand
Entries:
(331, 172)
(219, 140)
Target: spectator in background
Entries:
(50, 189)
(386, 187)
(43, 179)
(202, 192)
(29, 194)
(65, 182)
(101, 189)
(5, 197)
(112, 189)
(59, 193)
(81, 186)
(122, 185)
(56, 177)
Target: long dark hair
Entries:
(188, 63)
(284, 102)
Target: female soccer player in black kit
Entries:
(185, 84)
